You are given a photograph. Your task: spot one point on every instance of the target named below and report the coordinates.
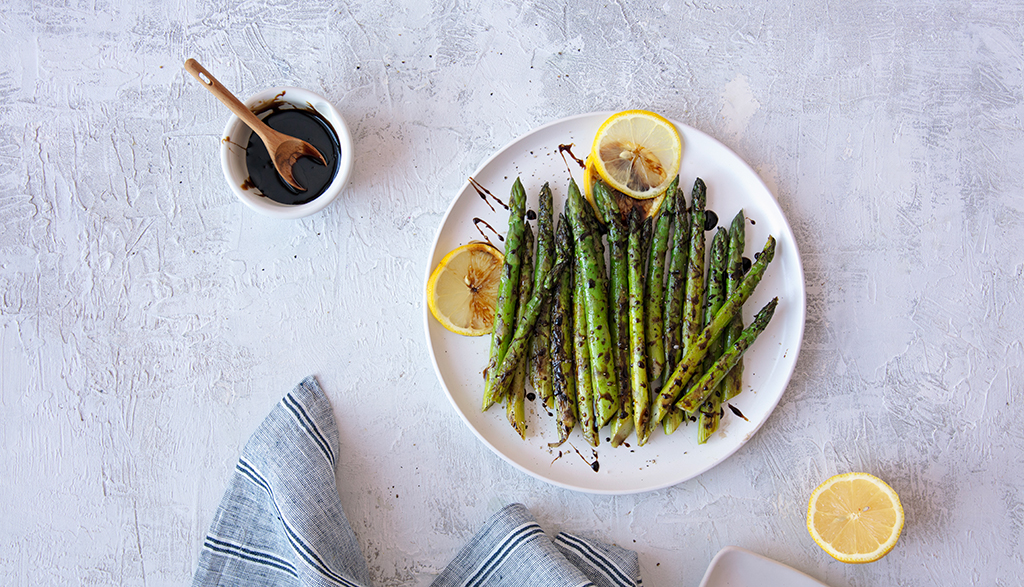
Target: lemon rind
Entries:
(859, 558)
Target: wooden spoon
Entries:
(284, 150)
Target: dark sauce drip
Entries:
(308, 172)
(747, 264)
(531, 396)
(594, 465)
(563, 149)
(531, 215)
(737, 411)
(752, 221)
(710, 219)
(478, 221)
(485, 194)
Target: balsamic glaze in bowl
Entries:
(300, 113)
(309, 126)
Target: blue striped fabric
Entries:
(281, 523)
(512, 550)
(606, 565)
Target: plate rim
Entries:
(790, 239)
(737, 551)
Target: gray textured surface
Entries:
(148, 321)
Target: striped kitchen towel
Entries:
(512, 550)
(281, 522)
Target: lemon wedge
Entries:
(637, 153)
(855, 517)
(462, 291)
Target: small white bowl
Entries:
(236, 137)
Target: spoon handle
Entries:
(224, 95)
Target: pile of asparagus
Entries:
(648, 337)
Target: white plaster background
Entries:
(148, 321)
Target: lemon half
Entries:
(648, 208)
(637, 153)
(855, 517)
(462, 291)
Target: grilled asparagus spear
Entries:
(508, 289)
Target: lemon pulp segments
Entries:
(855, 517)
(637, 153)
(463, 289)
(648, 208)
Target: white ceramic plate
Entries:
(665, 460)
(736, 567)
